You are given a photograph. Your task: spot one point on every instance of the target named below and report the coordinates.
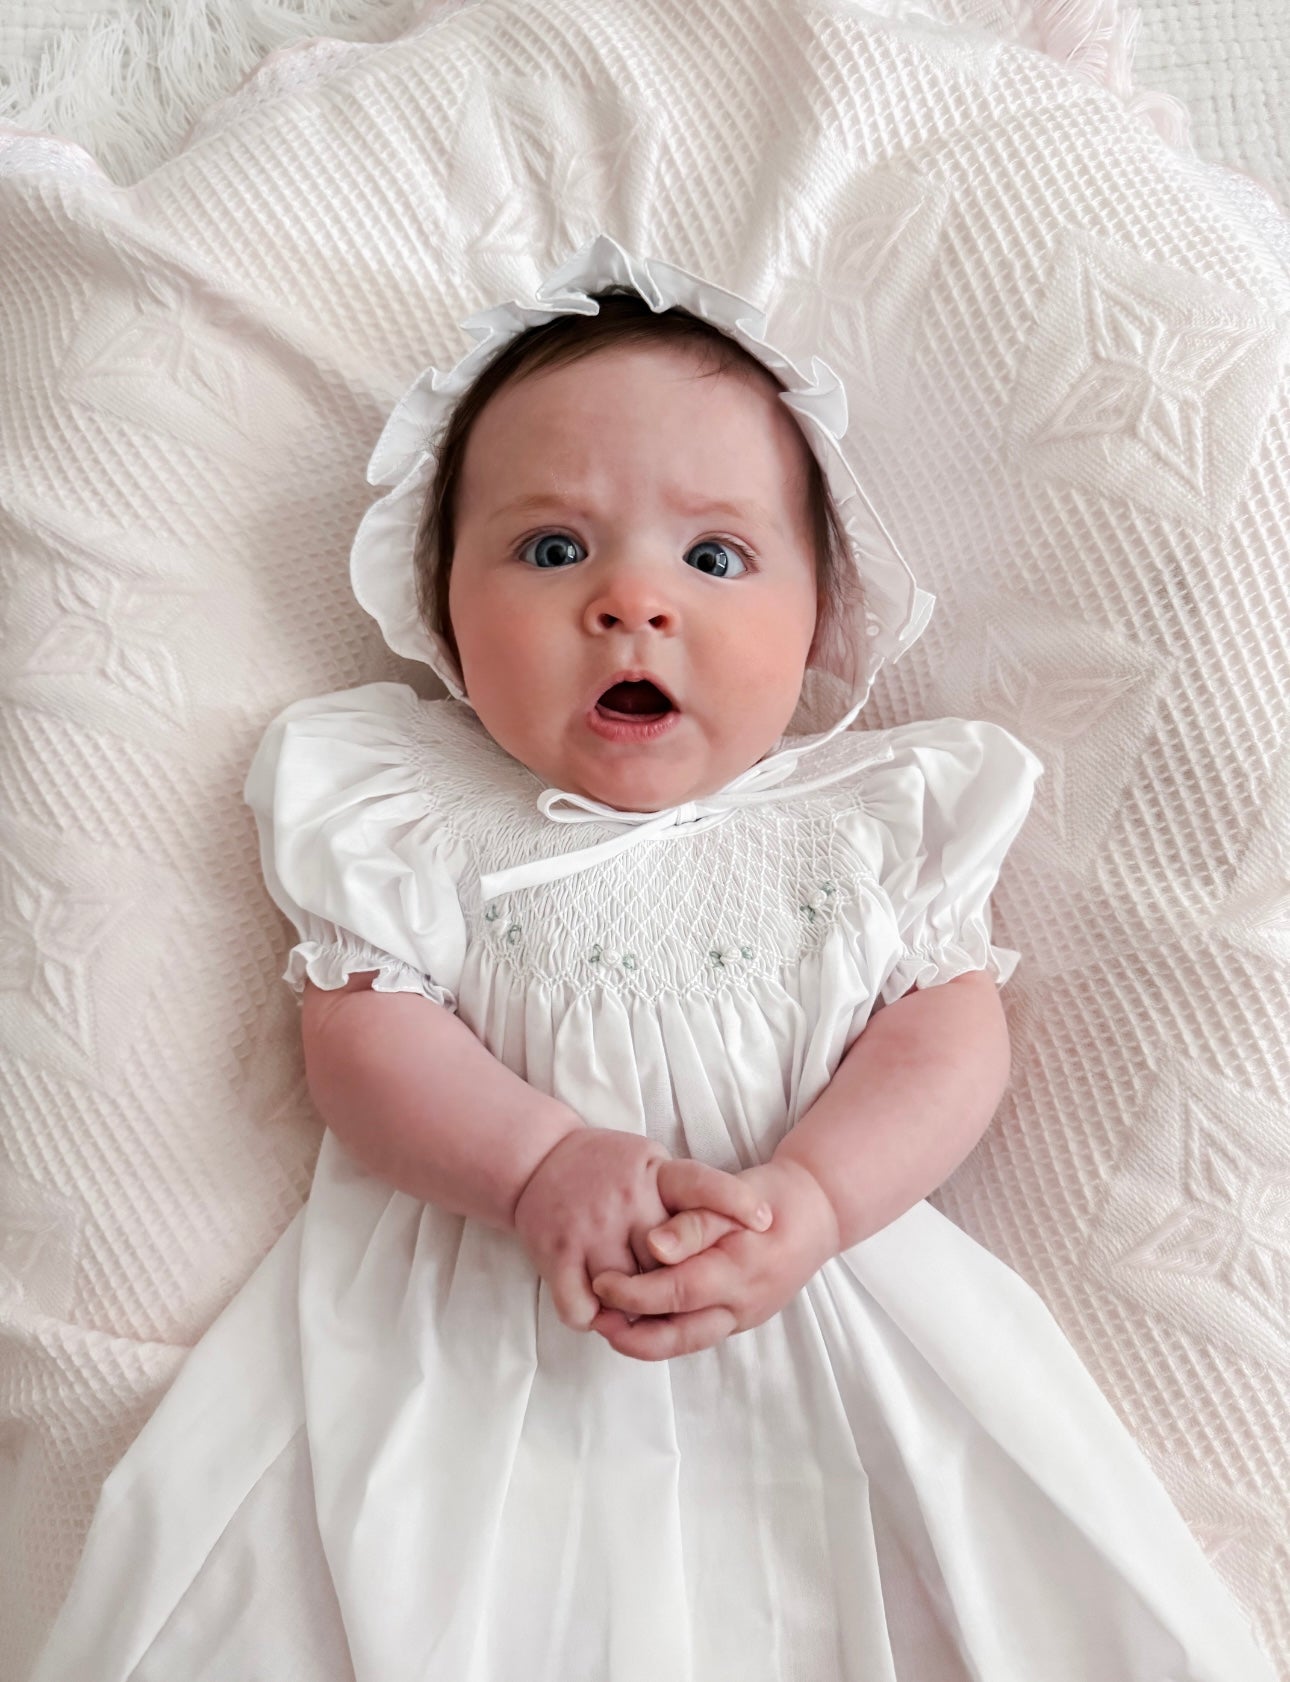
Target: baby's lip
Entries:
(636, 674)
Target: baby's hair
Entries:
(623, 319)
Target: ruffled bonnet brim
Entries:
(895, 610)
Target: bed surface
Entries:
(1167, 1263)
(1227, 62)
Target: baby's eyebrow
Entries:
(534, 503)
(747, 510)
(538, 500)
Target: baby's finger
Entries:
(640, 1249)
(711, 1278)
(686, 1184)
(575, 1302)
(688, 1233)
(657, 1339)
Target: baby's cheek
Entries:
(761, 698)
(778, 637)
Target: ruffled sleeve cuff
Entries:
(930, 965)
(332, 955)
(353, 853)
(934, 823)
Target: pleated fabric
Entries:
(389, 1461)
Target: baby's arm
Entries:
(417, 1099)
(906, 1105)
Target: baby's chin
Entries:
(644, 787)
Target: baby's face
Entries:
(631, 517)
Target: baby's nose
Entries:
(631, 600)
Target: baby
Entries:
(630, 552)
(691, 1076)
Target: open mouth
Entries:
(637, 702)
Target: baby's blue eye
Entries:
(551, 549)
(714, 558)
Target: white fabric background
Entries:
(1228, 61)
(1071, 359)
(84, 68)
(127, 79)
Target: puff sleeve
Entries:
(352, 850)
(937, 819)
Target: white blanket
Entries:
(1228, 63)
(1066, 342)
(127, 79)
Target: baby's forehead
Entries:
(680, 374)
(691, 424)
(714, 358)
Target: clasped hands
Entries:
(664, 1256)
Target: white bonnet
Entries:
(382, 572)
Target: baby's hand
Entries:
(740, 1281)
(688, 1232)
(589, 1206)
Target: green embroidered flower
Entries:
(816, 901)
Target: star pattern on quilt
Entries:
(1255, 914)
(1261, 921)
(47, 936)
(39, 1241)
(1053, 711)
(121, 629)
(1195, 1220)
(820, 299)
(24, 1238)
(1271, 921)
(574, 184)
(1145, 380)
(1058, 708)
(1241, 1534)
(1231, 1223)
(1085, 699)
(857, 284)
(165, 360)
(552, 160)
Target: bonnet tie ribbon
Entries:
(755, 787)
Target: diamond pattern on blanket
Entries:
(855, 280)
(40, 1243)
(1087, 699)
(1255, 913)
(119, 628)
(48, 937)
(1203, 1193)
(551, 154)
(1161, 391)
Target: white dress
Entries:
(390, 1461)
